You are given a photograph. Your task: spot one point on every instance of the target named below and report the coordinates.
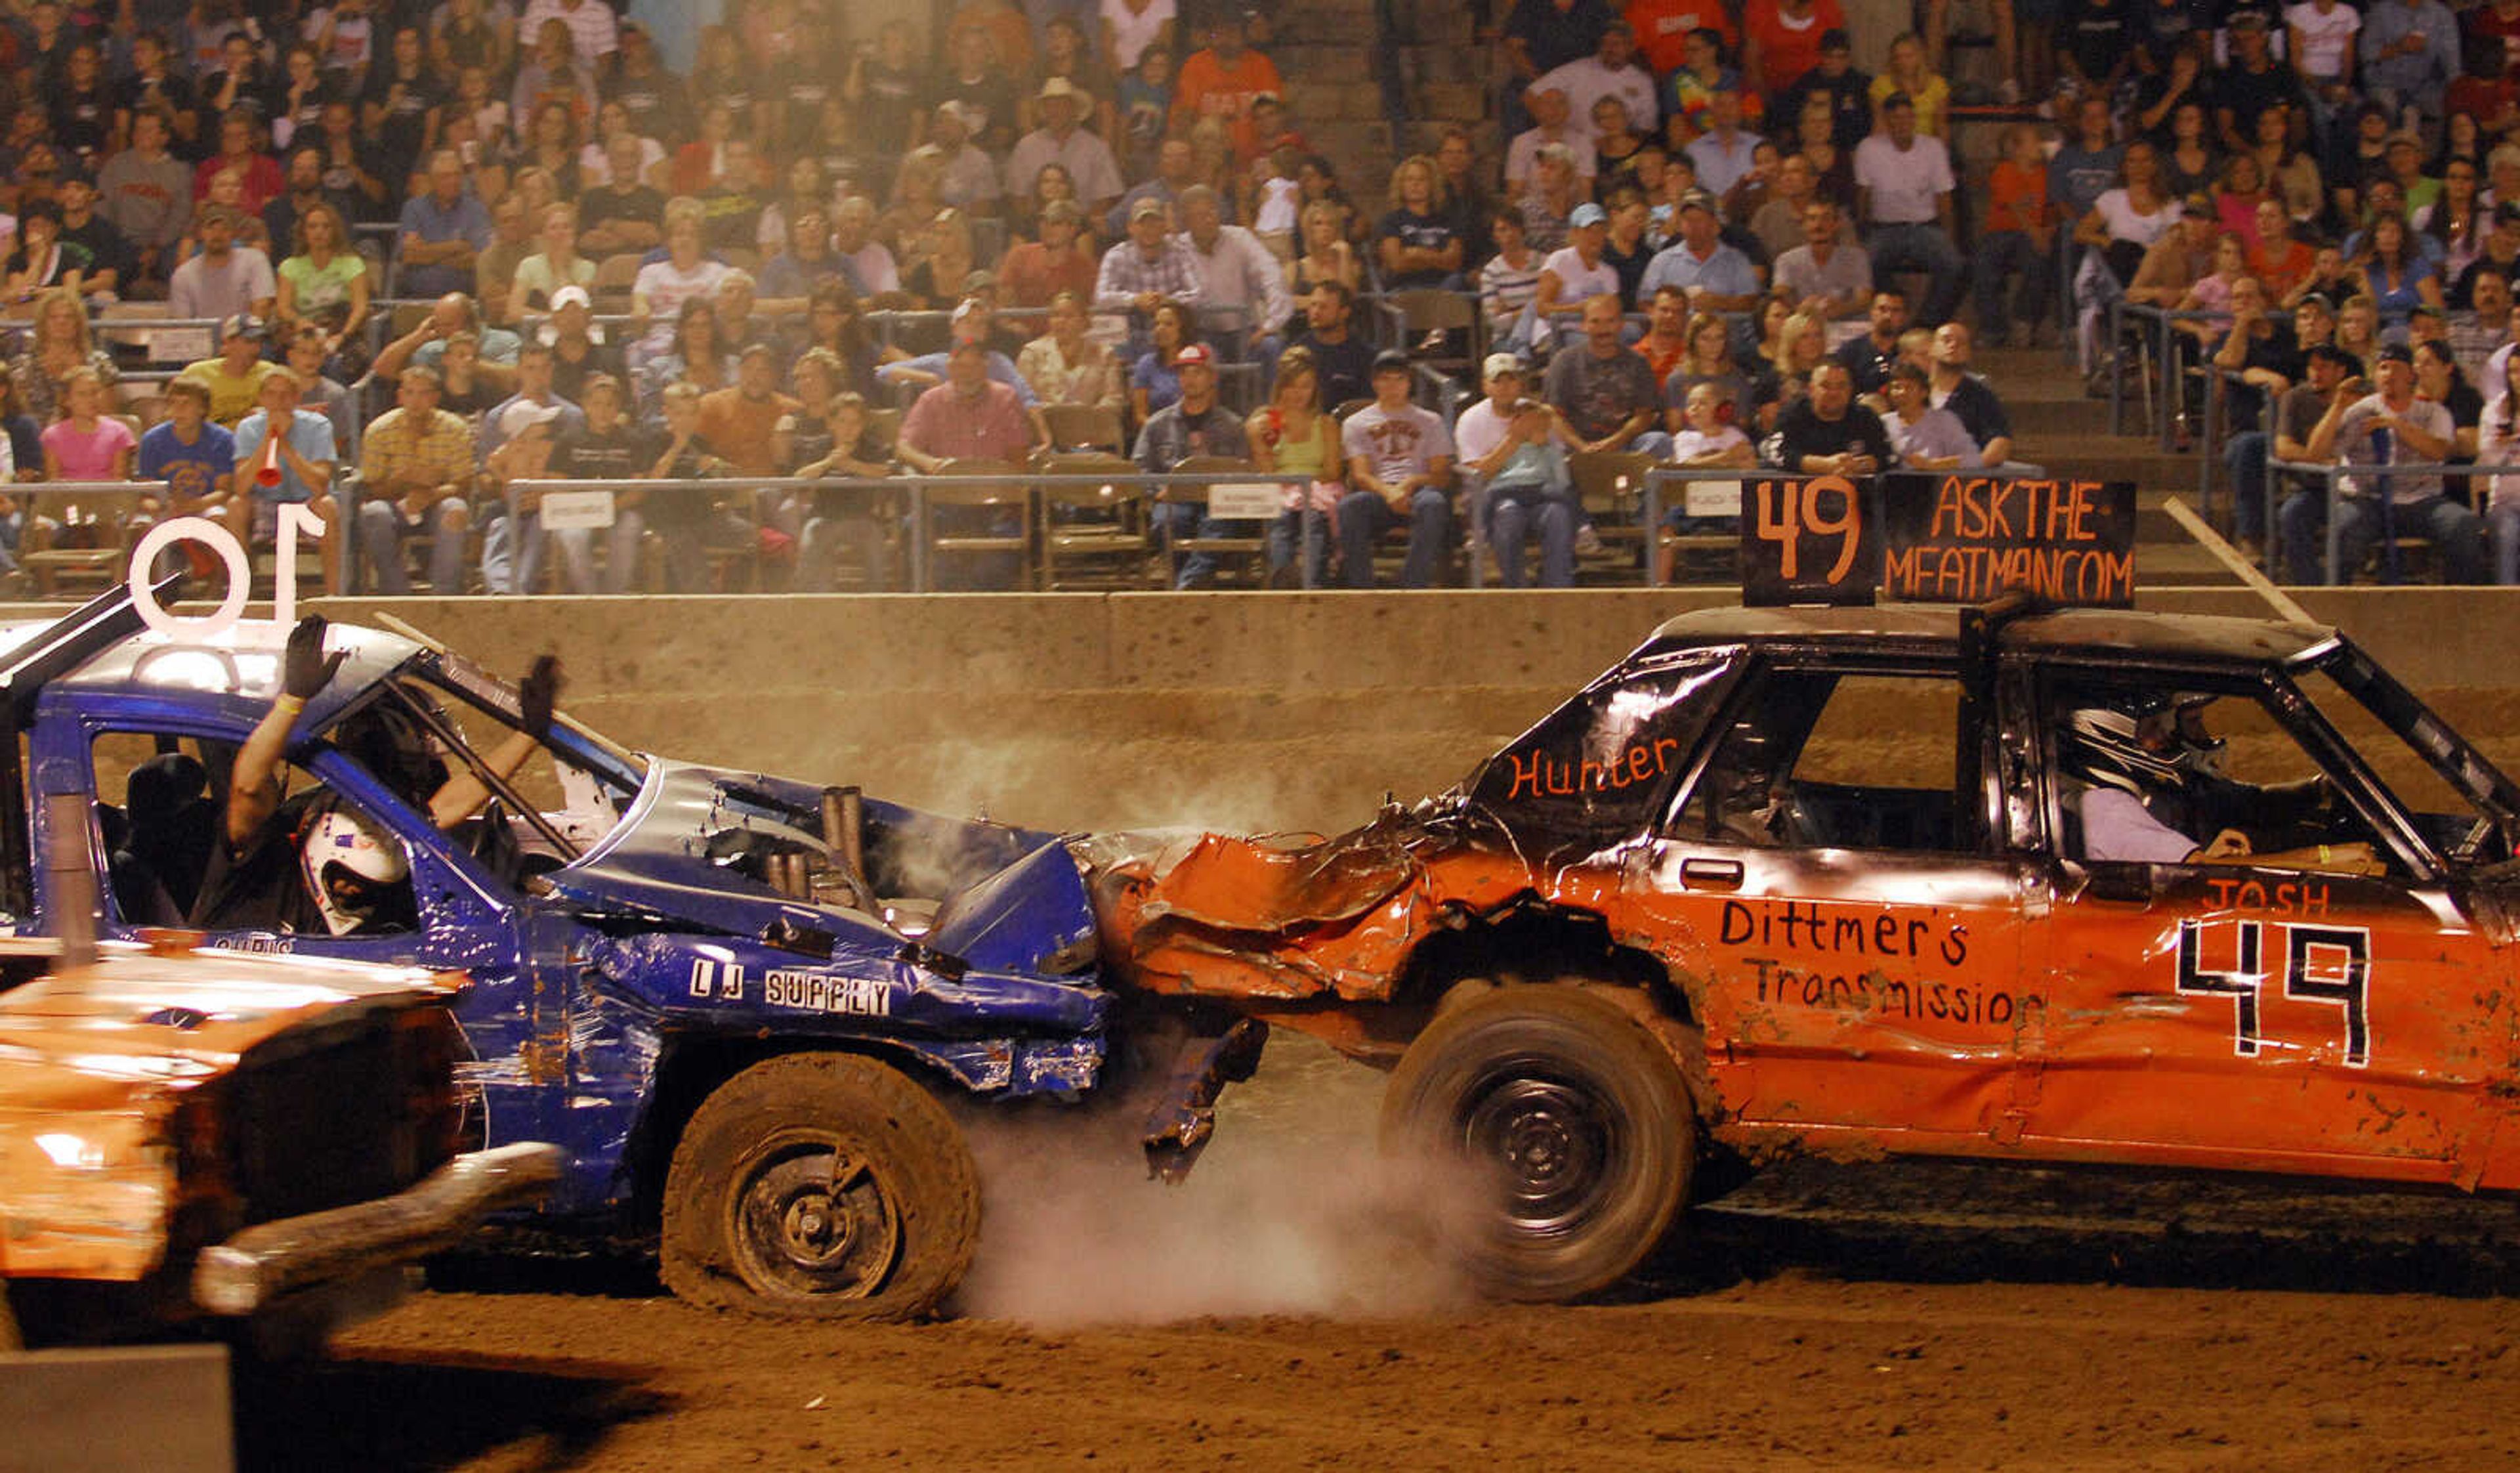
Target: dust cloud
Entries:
(1291, 1211)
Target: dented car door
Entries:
(1859, 958)
(2230, 1014)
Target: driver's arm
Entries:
(2232, 846)
(463, 795)
(254, 784)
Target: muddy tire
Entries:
(822, 1186)
(1560, 1133)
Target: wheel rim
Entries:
(814, 1218)
(1545, 1143)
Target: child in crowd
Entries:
(1531, 490)
(1510, 280)
(87, 445)
(2018, 236)
(1277, 198)
(1709, 440)
(686, 521)
(197, 459)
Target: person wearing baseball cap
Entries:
(1399, 462)
(2180, 258)
(1148, 269)
(1568, 276)
(1191, 425)
(1496, 434)
(234, 375)
(1712, 273)
(2387, 426)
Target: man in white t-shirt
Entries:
(1554, 121)
(1129, 29)
(1902, 186)
(1482, 427)
(1400, 462)
(1828, 277)
(1612, 70)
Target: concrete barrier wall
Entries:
(1241, 710)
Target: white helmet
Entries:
(2104, 744)
(349, 867)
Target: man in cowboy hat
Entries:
(1059, 140)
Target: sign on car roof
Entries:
(1950, 539)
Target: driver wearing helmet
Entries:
(356, 878)
(2145, 767)
(307, 863)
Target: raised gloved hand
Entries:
(536, 697)
(306, 668)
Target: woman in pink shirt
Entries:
(87, 445)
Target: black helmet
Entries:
(393, 746)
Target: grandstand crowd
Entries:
(439, 255)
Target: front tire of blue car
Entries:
(822, 1186)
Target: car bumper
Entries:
(272, 1261)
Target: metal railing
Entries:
(2162, 337)
(917, 488)
(2331, 477)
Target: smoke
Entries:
(1291, 1211)
(1236, 787)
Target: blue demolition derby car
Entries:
(738, 1002)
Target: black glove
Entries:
(537, 695)
(306, 668)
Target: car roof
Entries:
(2095, 631)
(240, 668)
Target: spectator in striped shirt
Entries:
(1509, 282)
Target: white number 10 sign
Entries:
(296, 520)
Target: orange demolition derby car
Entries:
(2079, 886)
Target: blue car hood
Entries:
(1018, 904)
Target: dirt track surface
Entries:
(1798, 1372)
(2270, 1330)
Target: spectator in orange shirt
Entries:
(1662, 29)
(1032, 272)
(1221, 81)
(741, 419)
(2018, 235)
(1785, 40)
(2278, 260)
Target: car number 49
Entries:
(2331, 964)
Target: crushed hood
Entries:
(1011, 899)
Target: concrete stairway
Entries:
(1326, 50)
(2056, 425)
